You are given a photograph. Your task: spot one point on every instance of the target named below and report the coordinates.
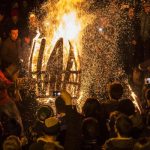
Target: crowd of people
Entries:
(114, 124)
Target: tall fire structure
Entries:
(55, 58)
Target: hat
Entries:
(51, 126)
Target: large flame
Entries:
(64, 20)
(69, 28)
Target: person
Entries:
(61, 115)
(145, 66)
(142, 144)
(10, 48)
(115, 92)
(73, 122)
(24, 55)
(92, 108)
(91, 134)
(126, 106)
(7, 104)
(111, 123)
(33, 25)
(123, 140)
(47, 135)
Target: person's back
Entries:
(49, 130)
(91, 134)
(123, 141)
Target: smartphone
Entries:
(147, 80)
(56, 93)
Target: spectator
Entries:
(123, 139)
(127, 107)
(10, 48)
(61, 114)
(142, 144)
(12, 142)
(73, 121)
(25, 53)
(91, 134)
(115, 92)
(43, 113)
(111, 123)
(49, 131)
(7, 105)
(92, 108)
(33, 25)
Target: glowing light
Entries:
(36, 47)
(135, 99)
(69, 28)
(100, 29)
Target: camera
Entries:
(56, 93)
(147, 80)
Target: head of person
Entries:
(90, 128)
(112, 120)
(115, 91)
(60, 105)
(146, 6)
(131, 12)
(32, 20)
(91, 108)
(44, 112)
(12, 143)
(14, 33)
(126, 107)
(123, 126)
